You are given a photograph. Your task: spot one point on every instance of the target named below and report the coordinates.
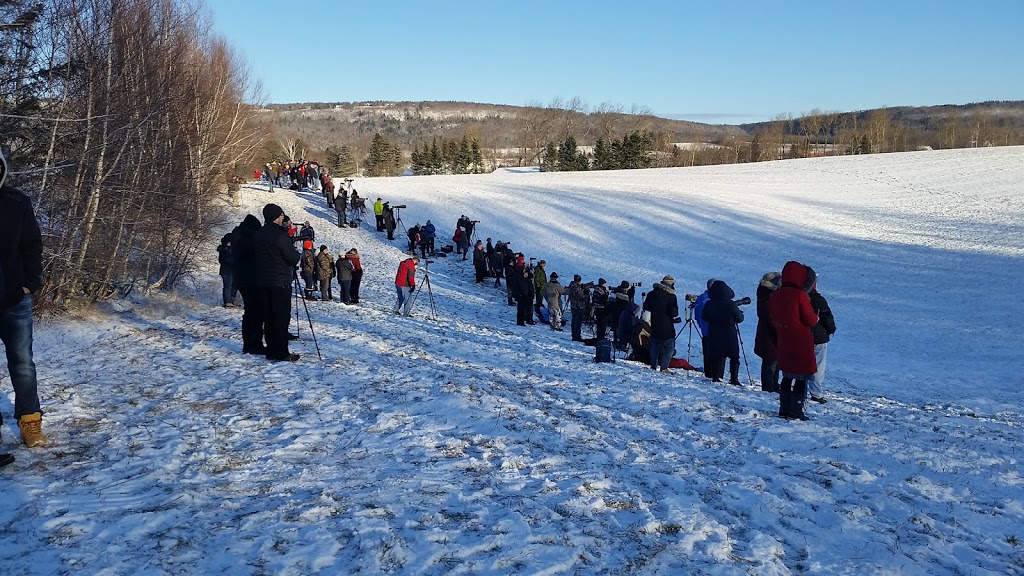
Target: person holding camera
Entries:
(508, 263)
(275, 259)
(722, 316)
(553, 297)
(405, 284)
(599, 299)
(664, 309)
(793, 316)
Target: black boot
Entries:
(785, 393)
(734, 372)
(796, 402)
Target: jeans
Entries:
(228, 293)
(16, 333)
(814, 387)
(661, 352)
(404, 304)
(577, 324)
(346, 290)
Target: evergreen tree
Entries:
(418, 165)
(865, 145)
(755, 148)
(381, 160)
(567, 154)
(436, 158)
(549, 160)
(603, 156)
(346, 162)
(476, 158)
(333, 155)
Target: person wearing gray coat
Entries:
(553, 291)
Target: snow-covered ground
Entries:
(468, 445)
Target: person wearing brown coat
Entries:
(764, 339)
(793, 317)
(325, 273)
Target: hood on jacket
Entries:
(665, 287)
(797, 275)
(720, 291)
(251, 222)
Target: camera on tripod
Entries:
(691, 297)
(635, 284)
(399, 206)
(475, 221)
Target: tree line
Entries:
(123, 121)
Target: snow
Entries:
(469, 445)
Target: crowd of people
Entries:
(794, 320)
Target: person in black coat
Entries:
(722, 316)
(765, 338)
(664, 309)
(276, 259)
(822, 332)
(480, 261)
(21, 268)
(520, 289)
(244, 256)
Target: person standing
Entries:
(21, 268)
(275, 258)
(226, 261)
(308, 269)
(540, 280)
(405, 284)
(702, 327)
(357, 274)
(325, 272)
(577, 306)
(599, 299)
(243, 252)
(479, 261)
(664, 309)
(553, 296)
(345, 268)
(722, 316)
(378, 213)
(765, 337)
(822, 331)
(793, 316)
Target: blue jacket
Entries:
(698, 313)
(428, 231)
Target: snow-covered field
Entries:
(469, 445)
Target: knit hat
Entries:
(624, 285)
(668, 280)
(271, 212)
(554, 276)
(771, 280)
(307, 245)
(601, 281)
(577, 278)
(711, 281)
(323, 247)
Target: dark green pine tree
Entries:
(582, 161)
(465, 158)
(384, 158)
(476, 158)
(436, 158)
(865, 145)
(396, 161)
(347, 162)
(603, 156)
(567, 155)
(549, 160)
(755, 148)
(418, 165)
(451, 156)
(333, 155)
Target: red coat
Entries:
(793, 317)
(407, 276)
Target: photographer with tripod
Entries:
(722, 316)
(405, 284)
(275, 258)
(664, 309)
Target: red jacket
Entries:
(407, 277)
(793, 317)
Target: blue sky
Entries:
(728, 62)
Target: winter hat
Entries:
(601, 281)
(3, 168)
(771, 280)
(577, 278)
(554, 275)
(711, 281)
(225, 239)
(323, 247)
(668, 280)
(271, 212)
(307, 245)
(624, 285)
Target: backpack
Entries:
(544, 316)
(603, 351)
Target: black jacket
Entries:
(21, 248)
(226, 259)
(276, 257)
(243, 252)
(826, 325)
(722, 316)
(664, 308)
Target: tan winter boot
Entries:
(31, 426)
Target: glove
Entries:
(412, 289)
(677, 320)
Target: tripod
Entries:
(399, 225)
(689, 322)
(430, 292)
(295, 279)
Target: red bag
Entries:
(680, 363)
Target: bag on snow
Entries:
(447, 249)
(603, 351)
(681, 363)
(544, 316)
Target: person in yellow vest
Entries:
(378, 211)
